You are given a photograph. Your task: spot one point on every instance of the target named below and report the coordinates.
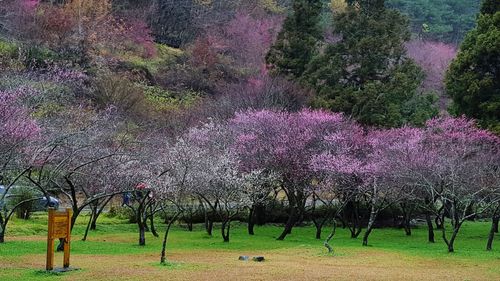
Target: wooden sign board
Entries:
(59, 228)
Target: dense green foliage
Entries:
(490, 7)
(442, 20)
(379, 86)
(473, 80)
(296, 43)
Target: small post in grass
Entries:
(59, 228)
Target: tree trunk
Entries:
(439, 220)
(495, 222)
(369, 228)
(406, 218)
(491, 236)
(355, 232)
(226, 225)
(430, 227)
(2, 235)
(289, 224)
(153, 228)
(330, 236)
(88, 226)
(163, 259)
(209, 226)
(189, 220)
(342, 221)
(3, 228)
(93, 217)
(93, 224)
(142, 234)
(450, 243)
(251, 221)
(141, 223)
(355, 223)
(319, 226)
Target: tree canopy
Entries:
(473, 79)
(296, 43)
(441, 20)
(379, 86)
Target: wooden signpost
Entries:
(59, 227)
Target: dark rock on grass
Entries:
(258, 259)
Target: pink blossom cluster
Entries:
(434, 58)
(312, 144)
(63, 74)
(15, 122)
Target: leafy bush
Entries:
(38, 57)
(113, 90)
(122, 212)
(163, 100)
(19, 194)
(8, 50)
(151, 65)
(8, 55)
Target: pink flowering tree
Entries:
(434, 58)
(284, 143)
(17, 133)
(465, 159)
(233, 52)
(247, 39)
(82, 159)
(339, 170)
(387, 175)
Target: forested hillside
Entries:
(183, 61)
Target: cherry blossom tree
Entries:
(232, 53)
(83, 160)
(258, 185)
(17, 133)
(393, 152)
(283, 143)
(465, 159)
(434, 58)
(339, 167)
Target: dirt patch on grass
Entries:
(368, 264)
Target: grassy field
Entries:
(111, 253)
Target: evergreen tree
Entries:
(473, 80)
(366, 73)
(296, 43)
(490, 7)
(439, 20)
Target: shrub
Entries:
(126, 96)
(19, 194)
(8, 55)
(122, 212)
(38, 57)
(8, 50)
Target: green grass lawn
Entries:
(114, 238)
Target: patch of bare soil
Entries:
(368, 264)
